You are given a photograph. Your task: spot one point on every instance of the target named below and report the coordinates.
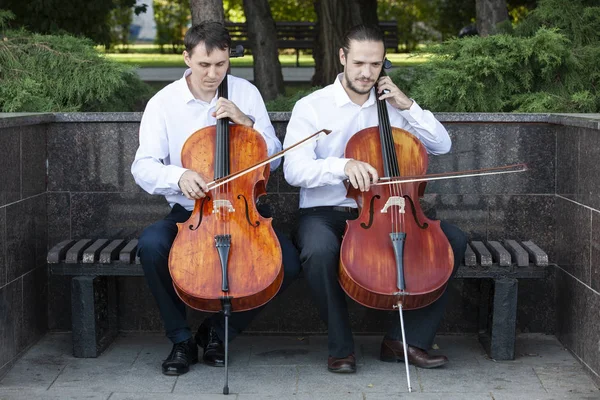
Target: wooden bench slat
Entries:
(74, 253)
(483, 254)
(119, 257)
(519, 254)
(111, 252)
(470, 258)
(128, 252)
(537, 255)
(499, 253)
(58, 252)
(91, 254)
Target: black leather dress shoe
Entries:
(181, 357)
(346, 365)
(214, 349)
(392, 351)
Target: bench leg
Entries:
(93, 314)
(499, 337)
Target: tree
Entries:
(489, 14)
(206, 10)
(263, 41)
(368, 11)
(78, 17)
(549, 63)
(334, 18)
(172, 17)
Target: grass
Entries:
(149, 59)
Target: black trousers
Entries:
(153, 248)
(318, 238)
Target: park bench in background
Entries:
(94, 265)
(301, 35)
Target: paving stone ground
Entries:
(287, 367)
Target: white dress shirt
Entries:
(318, 167)
(171, 116)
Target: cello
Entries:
(226, 256)
(392, 256)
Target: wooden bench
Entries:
(95, 264)
(301, 35)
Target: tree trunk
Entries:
(368, 11)
(489, 14)
(206, 10)
(334, 18)
(263, 41)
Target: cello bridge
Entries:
(394, 201)
(218, 204)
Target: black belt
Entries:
(351, 210)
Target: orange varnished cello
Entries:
(392, 255)
(226, 256)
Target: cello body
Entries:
(226, 250)
(375, 271)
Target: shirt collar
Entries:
(186, 93)
(342, 98)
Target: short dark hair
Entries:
(214, 35)
(362, 33)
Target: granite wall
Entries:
(577, 247)
(88, 191)
(91, 193)
(23, 235)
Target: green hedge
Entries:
(59, 73)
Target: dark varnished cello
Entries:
(392, 255)
(226, 256)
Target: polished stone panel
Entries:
(578, 322)
(26, 236)
(33, 144)
(468, 212)
(114, 215)
(92, 158)
(3, 265)
(567, 161)
(572, 247)
(570, 299)
(59, 217)
(285, 211)
(59, 303)
(462, 311)
(536, 309)
(493, 145)
(11, 315)
(10, 165)
(35, 307)
(523, 218)
(595, 267)
(591, 330)
(137, 308)
(589, 167)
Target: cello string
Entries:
(391, 159)
(385, 148)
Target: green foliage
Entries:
(286, 103)
(282, 10)
(549, 64)
(414, 17)
(56, 73)
(77, 17)
(120, 21)
(172, 18)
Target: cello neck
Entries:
(388, 151)
(222, 139)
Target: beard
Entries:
(354, 88)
